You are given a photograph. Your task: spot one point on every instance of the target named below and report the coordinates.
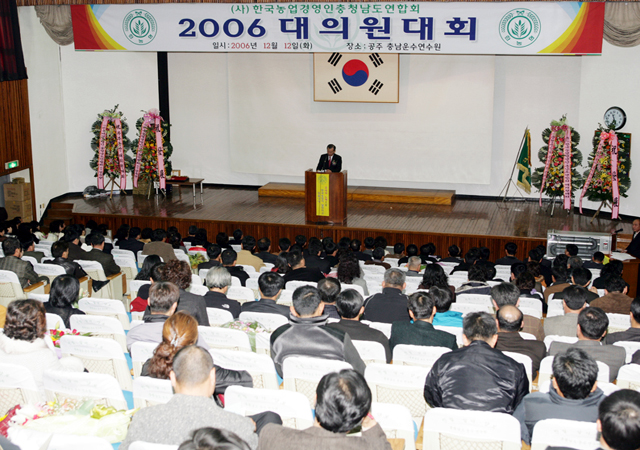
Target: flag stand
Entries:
(506, 187)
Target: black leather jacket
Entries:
(476, 377)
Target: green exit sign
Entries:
(11, 165)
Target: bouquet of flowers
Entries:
(253, 329)
(196, 259)
(56, 333)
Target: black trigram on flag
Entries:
(335, 59)
(376, 60)
(335, 86)
(375, 87)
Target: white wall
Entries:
(204, 90)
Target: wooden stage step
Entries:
(367, 194)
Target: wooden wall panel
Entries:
(15, 127)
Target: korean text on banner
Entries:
(322, 194)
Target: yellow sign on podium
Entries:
(322, 194)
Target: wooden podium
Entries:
(325, 197)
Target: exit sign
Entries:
(11, 165)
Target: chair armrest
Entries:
(38, 288)
(119, 291)
(124, 280)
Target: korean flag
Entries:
(356, 77)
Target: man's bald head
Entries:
(509, 318)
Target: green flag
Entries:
(524, 163)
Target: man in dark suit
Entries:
(510, 249)
(422, 309)
(73, 238)
(634, 247)
(96, 240)
(60, 253)
(299, 270)
(213, 252)
(313, 260)
(270, 285)
(330, 162)
(391, 304)
(132, 243)
(264, 251)
(12, 262)
(229, 257)
(633, 333)
(509, 339)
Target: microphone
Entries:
(618, 231)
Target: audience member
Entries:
(222, 239)
(147, 267)
(420, 330)
(477, 283)
(246, 257)
(510, 250)
(237, 237)
(633, 333)
(391, 304)
(72, 236)
(573, 394)
(13, 263)
(264, 251)
(537, 255)
(218, 281)
(580, 277)
(454, 255)
(355, 245)
(413, 266)
(615, 299)
(64, 292)
(299, 271)
(215, 260)
(96, 241)
(613, 268)
(350, 307)
(477, 376)
(159, 246)
(60, 253)
(444, 316)
(209, 438)
(229, 262)
(270, 286)
(284, 244)
(193, 377)
(140, 303)
(507, 294)
(434, 275)
(378, 258)
(595, 262)
(145, 235)
(306, 334)
(331, 251)
(592, 326)
(527, 285)
(29, 248)
(349, 272)
(132, 243)
(574, 301)
(343, 402)
(574, 262)
(560, 277)
(412, 250)
(398, 251)
(571, 250)
(313, 259)
(509, 339)
(427, 254)
(329, 289)
(619, 419)
(179, 273)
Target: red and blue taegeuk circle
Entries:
(355, 73)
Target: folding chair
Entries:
(30, 259)
(149, 391)
(113, 289)
(216, 337)
(293, 285)
(100, 326)
(618, 322)
(10, 288)
(83, 386)
(466, 308)
(372, 268)
(236, 247)
(241, 294)
(140, 353)
(54, 322)
(465, 430)
(267, 267)
(302, 374)
(285, 298)
(17, 387)
(526, 362)
(527, 336)
(293, 407)
(178, 252)
(401, 385)
(371, 352)
(456, 331)
(380, 326)
(630, 348)
(417, 355)
(105, 307)
(269, 321)
(195, 279)
(355, 287)
(127, 266)
(263, 344)
(260, 367)
(565, 433)
(396, 422)
(202, 273)
(182, 256)
(546, 371)
(219, 316)
(98, 356)
(531, 303)
(46, 249)
(448, 266)
(44, 298)
(475, 299)
(247, 268)
(555, 338)
(555, 308)
(124, 253)
(503, 272)
(629, 377)
(50, 271)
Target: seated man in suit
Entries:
(237, 237)
(132, 243)
(377, 256)
(350, 307)
(264, 251)
(299, 270)
(213, 252)
(218, 281)
(592, 326)
(398, 251)
(633, 333)
(330, 162)
(329, 289)
(580, 276)
(574, 301)
(615, 299)
(73, 238)
(560, 277)
(60, 253)
(96, 241)
(229, 262)
(508, 294)
(619, 420)
(391, 304)
(343, 403)
(270, 285)
(510, 249)
(356, 246)
(573, 395)
(12, 262)
(422, 309)
(158, 246)
(29, 247)
(314, 259)
(245, 257)
(596, 261)
(509, 339)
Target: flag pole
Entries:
(513, 169)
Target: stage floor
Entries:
(242, 205)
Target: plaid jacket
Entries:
(23, 269)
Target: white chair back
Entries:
(401, 385)
(385, 328)
(216, 337)
(198, 289)
(202, 273)
(618, 322)
(247, 268)
(629, 377)
(10, 288)
(526, 362)
(195, 279)
(476, 299)
(555, 308)
(31, 259)
(285, 298)
(241, 294)
(82, 385)
(260, 366)
(140, 353)
(564, 433)
(417, 355)
(371, 352)
(17, 387)
(466, 308)
(134, 287)
(302, 374)
(355, 287)
(269, 321)
(555, 338)
(535, 312)
(100, 326)
(219, 316)
(124, 253)
(149, 391)
(50, 271)
(293, 285)
(127, 265)
(456, 331)
(54, 321)
(396, 422)
(46, 249)
(293, 407)
(105, 307)
(629, 347)
(531, 303)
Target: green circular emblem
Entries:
(139, 27)
(520, 27)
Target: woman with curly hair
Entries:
(434, 275)
(179, 273)
(23, 341)
(349, 272)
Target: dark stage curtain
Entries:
(11, 58)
